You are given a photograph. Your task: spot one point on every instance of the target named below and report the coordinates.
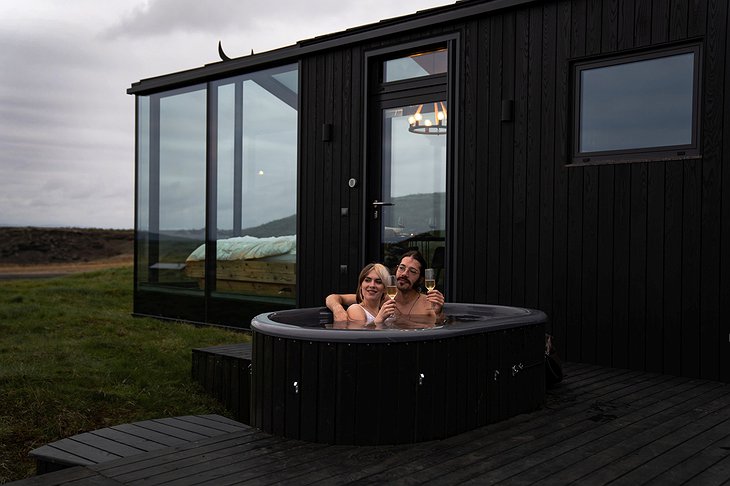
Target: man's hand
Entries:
(436, 299)
(336, 303)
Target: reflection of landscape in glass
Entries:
(256, 167)
(268, 172)
(415, 182)
(181, 205)
(640, 104)
(417, 176)
(182, 161)
(257, 186)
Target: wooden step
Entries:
(224, 372)
(127, 440)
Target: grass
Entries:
(73, 359)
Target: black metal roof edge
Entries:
(397, 25)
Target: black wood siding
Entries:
(630, 261)
(332, 94)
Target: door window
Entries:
(413, 182)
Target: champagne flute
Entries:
(430, 281)
(392, 287)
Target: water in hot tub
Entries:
(413, 322)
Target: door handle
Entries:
(376, 205)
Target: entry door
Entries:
(407, 189)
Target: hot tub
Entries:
(389, 386)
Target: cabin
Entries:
(561, 155)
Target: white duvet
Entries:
(248, 248)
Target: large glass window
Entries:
(171, 186)
(639, 107)
(257, 184)
(243, 131)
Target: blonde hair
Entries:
(382, 272)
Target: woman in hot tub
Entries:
(372, 306)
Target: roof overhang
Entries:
(420, 20)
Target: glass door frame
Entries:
(380, 96)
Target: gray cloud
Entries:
(161, 17)
(66, 122)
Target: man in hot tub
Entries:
(410, 303)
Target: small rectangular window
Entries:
(641, 107)
(416, 66)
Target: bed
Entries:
(249, 265)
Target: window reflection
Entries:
(641, 104)
(142, 223)
(257, 186)
(255, 126)
(414, 180)
(171, 197)
(415, 66)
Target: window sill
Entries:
(633, 160)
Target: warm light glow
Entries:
(261, 172)
(420, 123)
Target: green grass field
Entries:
(73, 359)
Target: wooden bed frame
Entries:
(268, 277)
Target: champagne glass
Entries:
(392, 287)
(430, 280)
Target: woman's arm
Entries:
(356, 313)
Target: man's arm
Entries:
(337, 302)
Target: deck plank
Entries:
(146, 433)
(187, 451)
(71, 476)
(191, 466)
(700, 442)
(718, 474)
(707, 457)
(142, 443)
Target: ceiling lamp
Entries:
(422, 124)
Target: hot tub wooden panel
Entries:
(386, 392)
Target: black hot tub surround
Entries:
(393, 386)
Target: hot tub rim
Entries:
(263, 324)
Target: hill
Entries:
(30, 250)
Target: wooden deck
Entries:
(599, 426)
(126, 440)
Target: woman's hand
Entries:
(386, 310)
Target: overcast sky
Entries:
(66, 122)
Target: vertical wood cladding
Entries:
(331, 95)
(626, 259)
(630, 261)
